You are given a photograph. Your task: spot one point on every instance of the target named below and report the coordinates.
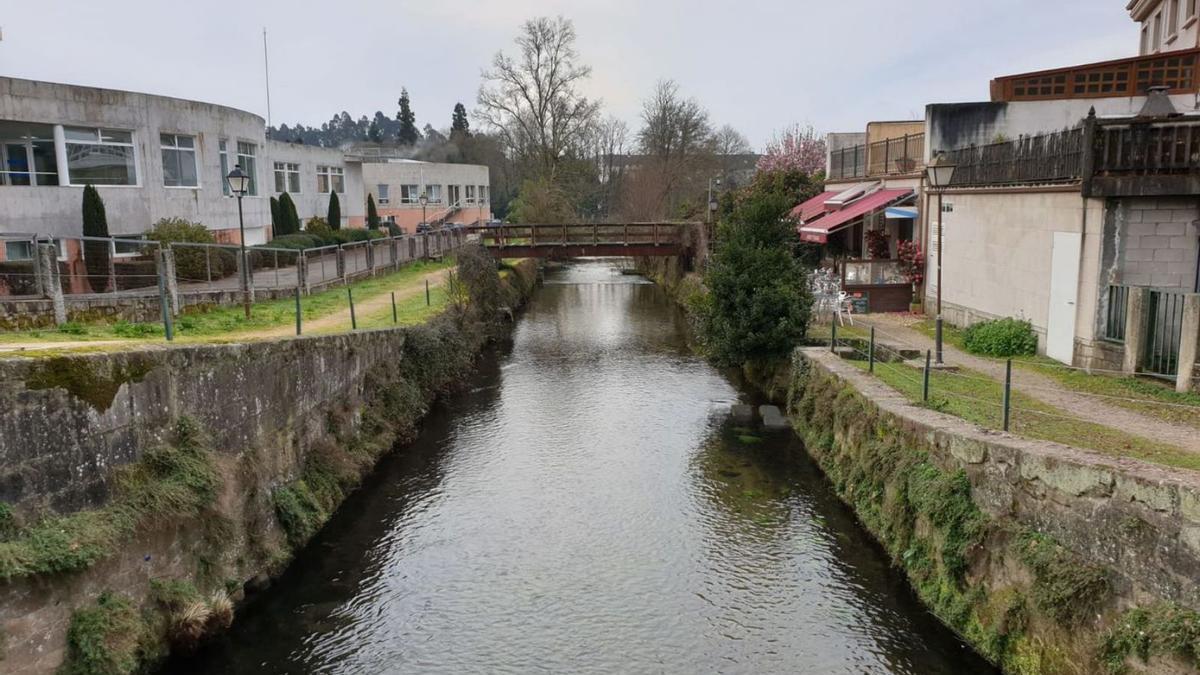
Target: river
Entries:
(584, 506)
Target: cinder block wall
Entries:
(1160, 246)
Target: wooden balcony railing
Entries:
(1051, 158)
(1171, 147)
(1178, 71)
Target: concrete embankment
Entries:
(143, 492)
(1047, 558)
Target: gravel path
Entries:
(895, 329)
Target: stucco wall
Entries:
(395, 174)
(308, 201)
(131, 210)
(997, 254)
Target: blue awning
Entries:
(901, 212)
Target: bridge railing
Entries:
(592, 234)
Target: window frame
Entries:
(250, 170)
(223, 156)
(383, 193)
(194, 150)
(1173, 21)
(469, 196)
(135, 155)
(329, 173)
(410, 193)
(289, 170)
(1157, 33)
(434, 193)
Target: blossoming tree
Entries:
(796, 148)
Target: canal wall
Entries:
(143, 493)
(1048, 559)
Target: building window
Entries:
(1146, 39)
(1191, 9)
(453, 194)
(16, 251)
(382, 191)
(483, 194)
(434, 193)
(27, 154)
(331, 179)
(246, 159)
(410, 194)
(100, 156)
(1157, 35)
(287, 177)
(1173, 17)
(223, 151)
(179, 160)
(470, 194)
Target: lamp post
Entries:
(239, 183)
(939, 175)
(712, 203)
(423, 200)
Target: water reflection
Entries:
(585, 509)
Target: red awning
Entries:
(818, 231)
(812, 208)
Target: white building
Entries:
(151, 157)
(455, 193)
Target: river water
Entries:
(585, 507)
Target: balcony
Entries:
(1177, 71)
(892, 157)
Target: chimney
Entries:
(1158, 104)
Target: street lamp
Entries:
(424, 201)
(939, 175)
(712, 203)
(239, 184)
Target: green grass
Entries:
(227, 320)
(1110, 389)
(977, 398)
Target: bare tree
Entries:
(609, 141)
(676, 142)
(532, 99)
(728, 141)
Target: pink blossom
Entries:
(796, 148)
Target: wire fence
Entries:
(911, 365)
(103, 271)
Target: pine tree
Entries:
(459, 126)
(95, 253)
(407, 134)
(335, 212)
(372, 213)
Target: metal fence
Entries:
(848, 162)
(1116, 314)
(902, 155)
(1164, 333)
(99, 267)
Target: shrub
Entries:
(298, 241)
(1001, 337)
(95, 253)
(107, 637)
(193, 263)
(317, 227)
(277, 225)
(372, 213)
(349, 236)
(289, 219)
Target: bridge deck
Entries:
(584, 241)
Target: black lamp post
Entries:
(939, 174)
(423, 200)
(239, 184)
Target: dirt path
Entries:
(1041, 387)
(330, 323)
(362, 309)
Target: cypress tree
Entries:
(95, 253)
(277, 225)
(289, 219)
(335, 212)
(372, 213)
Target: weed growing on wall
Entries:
(108, 638)
(1063, 587)
(1162, 629)
(176, 481)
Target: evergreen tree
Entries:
(374, 133)
(407, 134)
(276, 220)
(289, 219)
(335, 212)
(372, 213)
(459, 126)
(96, 254)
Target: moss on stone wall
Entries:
(96, 382)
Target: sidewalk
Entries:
(892, 329)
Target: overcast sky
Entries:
(756, 64)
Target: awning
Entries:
(812, 208)
(901, 212)
(818, 231)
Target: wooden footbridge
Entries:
(620, 240)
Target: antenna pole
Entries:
(267, 71)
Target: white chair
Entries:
(845, 308)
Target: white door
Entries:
(1064, 293)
